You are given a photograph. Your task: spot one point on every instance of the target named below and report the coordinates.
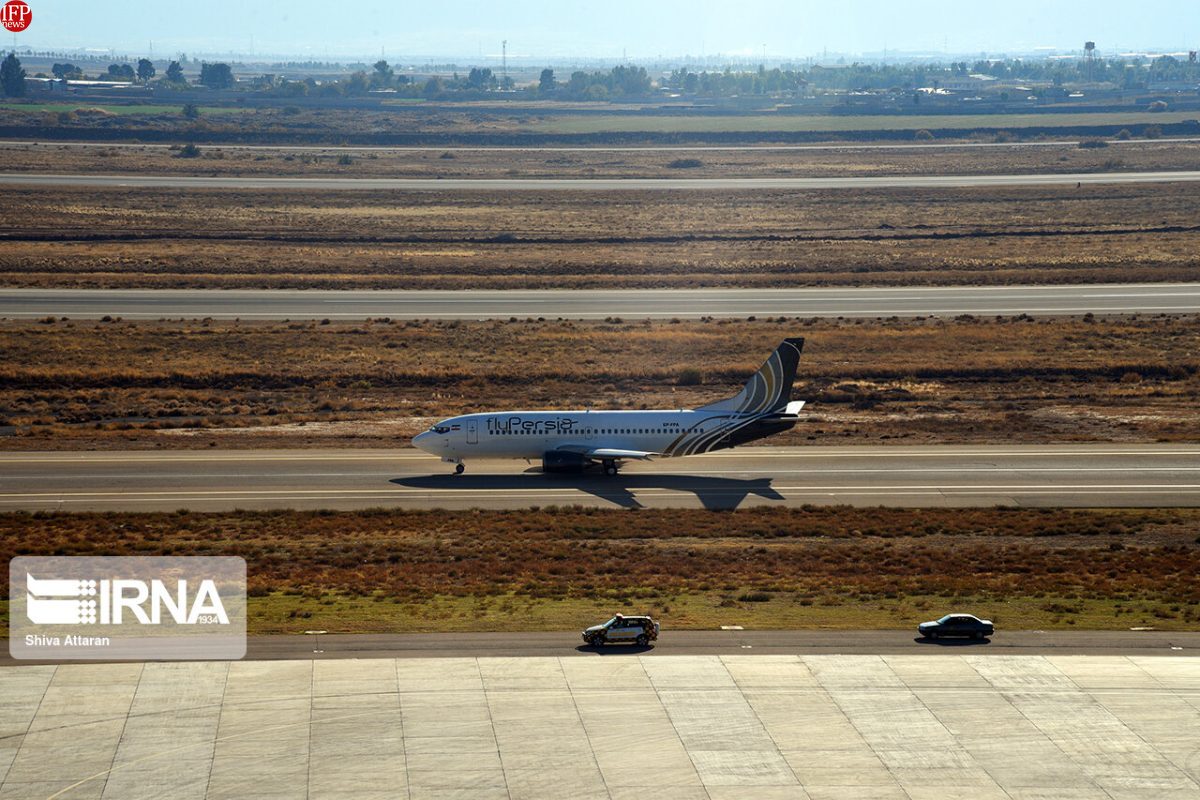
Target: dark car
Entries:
(957, 625)
(637, 630)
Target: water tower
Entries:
(1089, 49)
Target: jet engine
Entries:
(563, 461)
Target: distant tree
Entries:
(120, 72)
(12, 77)
(145, 69)
(481, 79)
(216, 76)
(546, 81)
(357, 83)
(191, 111)
(433, 87)
(382, 77)
(67, 71)
(175, 73)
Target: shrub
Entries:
(1124, 135)
(1093, 144)
(344, 160)
(685, 163)
(191, 110)
(923, 135)
(1152, 132)
(188, 151)
(754, 597)
(1157, 106)
(690, 377)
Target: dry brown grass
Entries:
(215, 239)
(1144, 560)
(73, 384)
(1140, 156)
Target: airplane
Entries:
(572, 441)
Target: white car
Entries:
(637, 630)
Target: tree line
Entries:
(633, 82)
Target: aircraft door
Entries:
(472, 432)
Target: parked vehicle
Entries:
(637, 630)
(957, 625)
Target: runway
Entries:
(662, 148)
(1093, 475)
(176, 182)
(277, 304)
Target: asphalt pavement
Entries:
(176, 182)
(1094, 475)
(277, 304)
(732, 642)
(663, 148)
(723, 643)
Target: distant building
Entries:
(46, 85)
(968, 83)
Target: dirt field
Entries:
(539, 121)
(559, 569)
(1135, 156)
(227, 239)
(192, 384)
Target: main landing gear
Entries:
(610, 468)
(459, 468)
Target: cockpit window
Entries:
(440, 429)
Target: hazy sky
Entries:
(572, 29)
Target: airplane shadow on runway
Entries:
(714, 493)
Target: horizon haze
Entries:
(471, 31)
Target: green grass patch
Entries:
(830, 124)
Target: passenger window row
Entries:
(651, 431)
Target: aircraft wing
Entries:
(607, 452)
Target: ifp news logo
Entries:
(127, 607)
(15, 16)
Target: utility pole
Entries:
(504, 60)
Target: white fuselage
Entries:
(530, 434)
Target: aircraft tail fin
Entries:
(770, 389)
